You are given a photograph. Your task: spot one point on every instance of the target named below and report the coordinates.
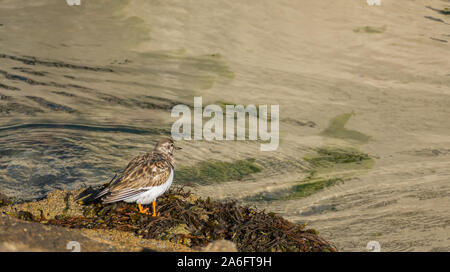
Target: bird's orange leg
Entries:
(154, 209)
(142, 210)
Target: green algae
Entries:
(212, 171)
(336, 129)
(329, 166)
(326, 157)
(305, 188)
(370, 29)
(313, 186)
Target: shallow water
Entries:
(77, 102)
(84, 89)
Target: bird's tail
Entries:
(92, 194)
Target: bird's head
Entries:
(166, 146)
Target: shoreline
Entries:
(202, 229)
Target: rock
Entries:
(56, 203)
(220, 246)
(18, 235)
(24, 236)
(4, 200)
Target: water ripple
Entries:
(123, 129)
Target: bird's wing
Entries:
(149, 170)
(116, 179)
(122, 195)
(142, 173)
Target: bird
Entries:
(145, 178)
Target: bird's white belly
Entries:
(152, 192)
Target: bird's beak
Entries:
(178, 148)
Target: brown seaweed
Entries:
(195, 222)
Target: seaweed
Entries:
(336, 129)
(327, 156)
(370, 29)
(195, 222)
(217, 171)
(328, 166)
(307, 189)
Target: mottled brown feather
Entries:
(142, 173)
(151, 169)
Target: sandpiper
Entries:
(144, 179)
